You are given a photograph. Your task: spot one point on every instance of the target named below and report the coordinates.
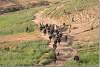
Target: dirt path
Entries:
(80, 32)
(21, 36)
(66, 52)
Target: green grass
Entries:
(88, 53)
(56, 11)
(25, 53)
(17, 22)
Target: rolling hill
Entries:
(21, 42)
(15, 5)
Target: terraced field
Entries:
(64, 7)
(22, 44)
(25, 53)
(17, 22)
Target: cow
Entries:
(42, 26)
(59, 40)
(51, 31)
(45, 31)
(76, 58)
(64, 24)
(50, 37)
(57, 31)
(54, 46)
(60, 35)
(58, 54)
(46, 25)
(48, 29)
(55, 41)
(54, 35)
(66, 38)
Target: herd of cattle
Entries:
(56, 34)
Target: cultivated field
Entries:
(25, 53)
(17, 22)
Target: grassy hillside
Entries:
(16, 22)
(88, 53)
(25, 53)
(63, 7)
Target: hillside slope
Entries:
(81, 20)
(5, 3)
(15, 5)
(17, 29)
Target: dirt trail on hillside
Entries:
(81, 31)
(20, 37)
(65, 50)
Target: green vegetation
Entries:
(16, 22)
(25, 53)
(63, 7)
(37, 52)
(89, 54)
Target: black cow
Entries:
(54, 46)
(60, 35)
(42, 26)
(66, 38)
(76, 58)
(44, 31)
(57, 31)
(48, 29)
(64, 24)
(58, 54)
(55, 41)
(59, 40)
(46, 25)
(51, 31)
(50, 37)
